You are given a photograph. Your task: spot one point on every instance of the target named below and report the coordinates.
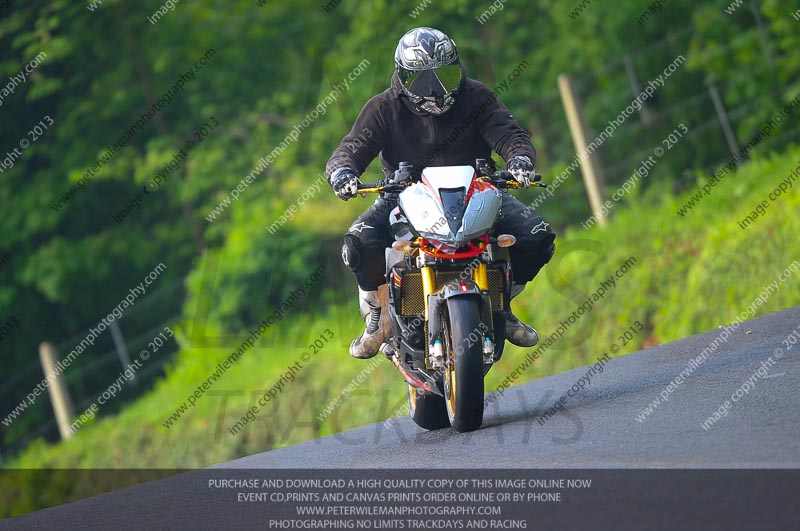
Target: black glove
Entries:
(344, 183)
(521, 168)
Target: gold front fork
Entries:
(480, 277)
(428, 285)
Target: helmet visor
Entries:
(435, 83)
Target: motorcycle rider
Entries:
(432, 115)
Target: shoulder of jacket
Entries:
(382, 98)
(477, 92)
(475, 86)
(381, 102)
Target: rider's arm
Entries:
(499, 128)
(364, 141)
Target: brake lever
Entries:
(382, 188)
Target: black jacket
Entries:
(391, 125)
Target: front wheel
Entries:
(463, 375)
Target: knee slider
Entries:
(352, 254)
(550, 250)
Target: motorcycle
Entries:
(449, 286)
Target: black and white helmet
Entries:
(429, 70)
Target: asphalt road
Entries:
(598, 429)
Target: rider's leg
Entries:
(533, 249)
(363, 253)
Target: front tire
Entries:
(463, 376)
(427, 410)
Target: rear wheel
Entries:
(463, 375)
(427, 410)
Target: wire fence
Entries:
(604, 92)
(93, 371)
(685, 98)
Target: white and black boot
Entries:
(517, 332)
(374, 306)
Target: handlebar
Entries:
(501, 179)
(380, 188)
(504, 179)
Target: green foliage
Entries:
(704, 254)
(694, 273)
(270, 67)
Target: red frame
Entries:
(428, 248)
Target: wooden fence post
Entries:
(59, 394)
(577, 127)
